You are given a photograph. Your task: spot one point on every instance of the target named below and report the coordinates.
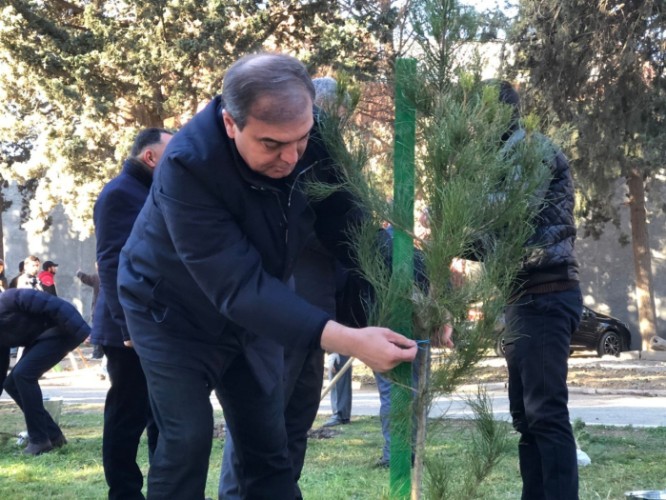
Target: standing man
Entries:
(47, 277)
(29, 277)
(201, 277)
(126, 411)
(541, 316)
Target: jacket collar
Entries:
(139, 171)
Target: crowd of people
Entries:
(218, 274)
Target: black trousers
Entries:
(180, 399)
(126, 415)
(537, 352)
(22, 384)
(303, 378)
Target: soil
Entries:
(597, 373)
(585, 371)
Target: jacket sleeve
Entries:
(224, 263)
(114, 217)
(91, 280)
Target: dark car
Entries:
(597, 332)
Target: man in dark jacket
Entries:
(201, 278)
(541, 317)
(127, 408)
(48, 328)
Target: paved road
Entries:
(593, 407)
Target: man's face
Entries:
(151, 154)
(31, 267)
(53, 269)
(271, 149)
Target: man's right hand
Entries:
(379, 348)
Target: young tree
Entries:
(482, 199)
(598, 66)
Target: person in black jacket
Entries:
(3, 278)
(127, 408)
(202, 277)
(541, 316)
(48, 328)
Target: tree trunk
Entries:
(2, 228)
(640, 241)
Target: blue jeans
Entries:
(341, 393)
(537, 352)
(22, 384)
(384, 388)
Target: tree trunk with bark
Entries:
(640, 243)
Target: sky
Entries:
(482, 5)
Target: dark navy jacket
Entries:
(25, 314)
(116, 209)
(205, 265)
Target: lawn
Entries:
(340, 467)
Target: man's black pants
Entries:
(180, 400)
(537, 352)
(22, 384)
(126, 415)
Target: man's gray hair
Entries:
(281, 77)
(325, 91)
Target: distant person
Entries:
(203, 277)
(127, 408)
(47, 277)
(92, 280)
(326, 98)
(29, 278)
(3, 278)
(48, 328)
(13, 283)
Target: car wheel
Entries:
(610, 343)
(499, 345)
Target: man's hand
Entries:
(128, 343)
(379, 348)
(444, 334)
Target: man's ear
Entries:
(149, 157)
(229, 124)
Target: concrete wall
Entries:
(607, 268)
(59, 244)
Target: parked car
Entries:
(598, 332)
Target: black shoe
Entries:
(38, 448)
(382, 463)
(59, 442)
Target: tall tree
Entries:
(79, 78)
(598, 66)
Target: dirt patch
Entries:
(322, 433)
(584, 371)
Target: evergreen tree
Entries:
(78, 79)
(482, 200)
(598, 67)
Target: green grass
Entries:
(338, 468)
